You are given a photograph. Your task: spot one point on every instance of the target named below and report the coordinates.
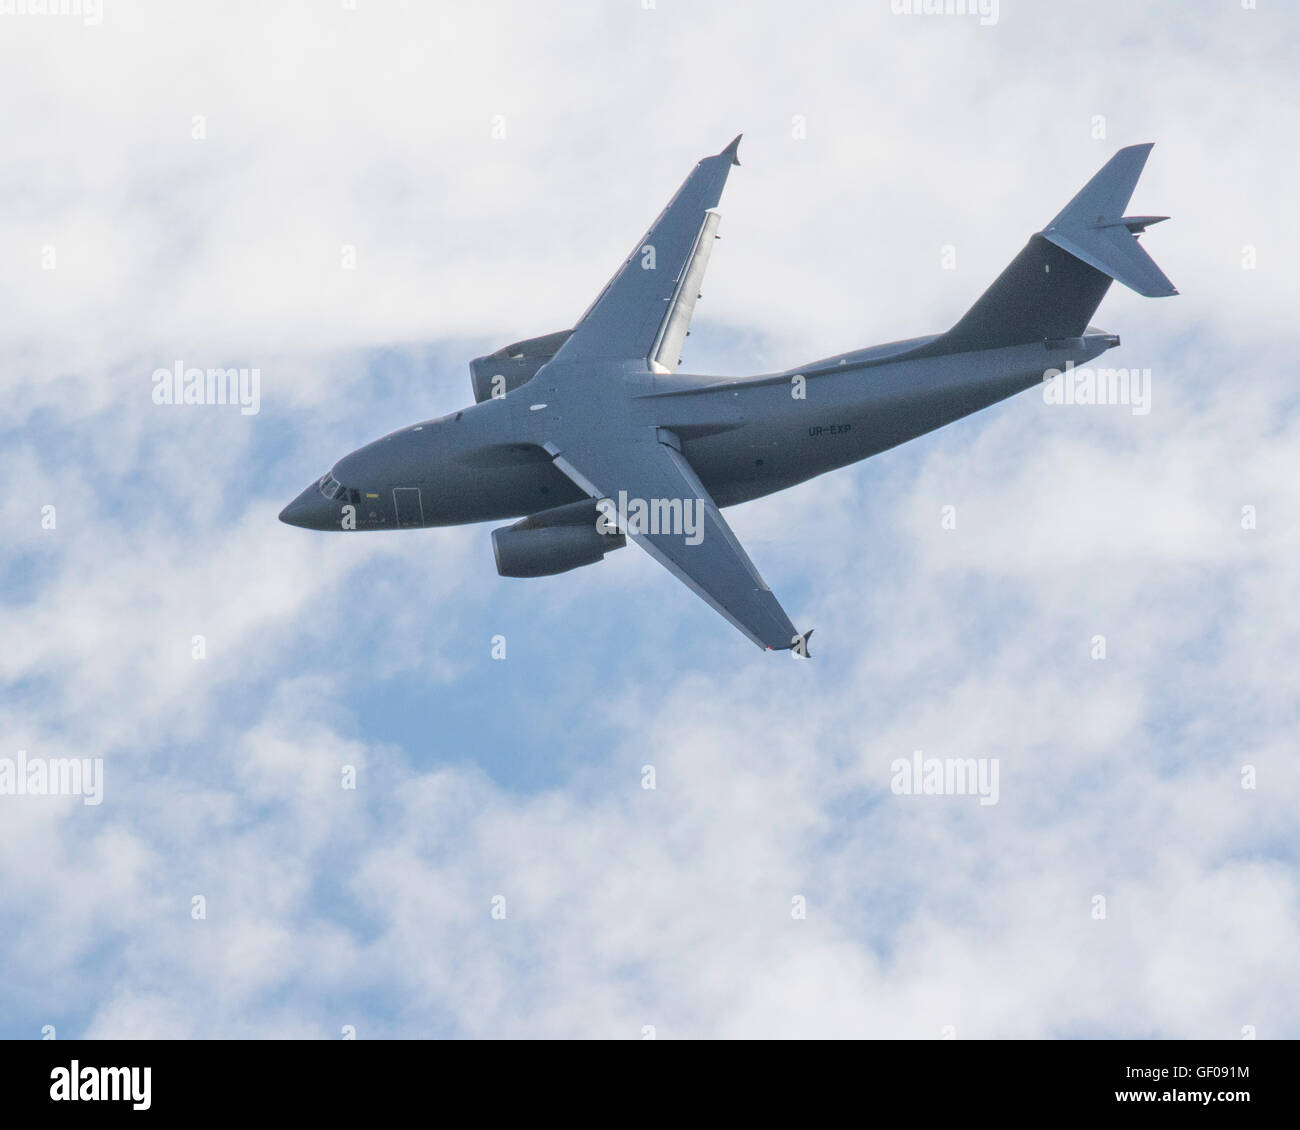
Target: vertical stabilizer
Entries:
(1053, 287)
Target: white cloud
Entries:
(629, 907)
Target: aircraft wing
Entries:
(716, 567)
(645, 309)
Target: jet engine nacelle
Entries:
(505, 370)
(553, 541)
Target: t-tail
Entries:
(1051, 290)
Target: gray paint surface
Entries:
(577, 416)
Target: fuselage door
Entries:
(410, 511)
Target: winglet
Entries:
(732, 149)
(799, 645)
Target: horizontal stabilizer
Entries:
(1113, 251)
(1093, 227)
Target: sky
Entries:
(357, 198)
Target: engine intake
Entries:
(512, 365)
(553, 541)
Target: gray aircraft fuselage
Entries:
(746, 437)
(590, 438)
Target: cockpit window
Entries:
(334, 490)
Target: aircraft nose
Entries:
(310, 510)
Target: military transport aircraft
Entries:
(590, 436)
